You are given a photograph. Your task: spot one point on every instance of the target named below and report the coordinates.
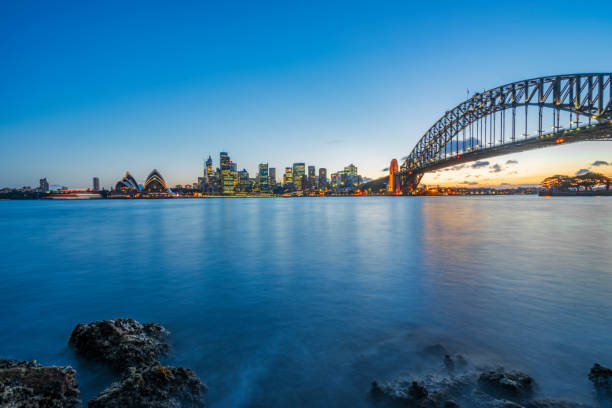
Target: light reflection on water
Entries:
(303, 302)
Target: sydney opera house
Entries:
(154, 186)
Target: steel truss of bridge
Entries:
(502, 121)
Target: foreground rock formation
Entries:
(26, 384)
(133, 349)
(121, 343)
(456, 383)
(158, 387)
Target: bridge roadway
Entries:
(594, 132)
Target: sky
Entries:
(100, 88)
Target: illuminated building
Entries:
(272, 177)
(262, 178)
(288, 178)
(322, 178)
(96, 184)
(244, 184)
(227, 179)
(394, 182)
(299, 171)
(351, 170)
(312, 179)
(44, 185)
(155, 183)
(127, 184)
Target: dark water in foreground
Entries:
(303, 302)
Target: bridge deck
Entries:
(596, 132)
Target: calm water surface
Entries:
(303, 302)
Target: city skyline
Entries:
(278, 84)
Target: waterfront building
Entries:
(322, 178)
(312, 178)
(127, 184)
(288, 178)
(227, 178)
(351, 170)
(299, 171)
(244, 183)
(44, 185)
(272, 177)
(96, 184)
(262, 178)
(155, 183)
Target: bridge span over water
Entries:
(520, 116)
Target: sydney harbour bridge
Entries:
(520, 116)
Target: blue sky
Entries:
(97, 88)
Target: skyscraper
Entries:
(227, 179)
(288, 178)
(263, 178)
(312, 178)
(96, 184)
(322, 178)
(272, 177)
(44, 185)
(209, 171)
(299, 171)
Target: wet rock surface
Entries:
(121, 343)
(601, 377)
(454, 382)
(506, 383)
(26, 384)
(157, 387)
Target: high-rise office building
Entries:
(96, 184)
(288, 178)
(312, 178)
(351, 170)
(322, 177)
(209, 171)
(262, 178)
(272, 177)
(244, 184)
(44, 185)
(299, 171)
(227, 179)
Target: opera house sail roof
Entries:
(155, 183)
(127, 183)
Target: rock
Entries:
(121, 343)
(601, 377)
(482, 400)
(435, 350)
(548, 403)
(460, 361)
(449, 363)
(506, 383)
(450, 404)
(26, 384)
(156, 387)
(417, 391)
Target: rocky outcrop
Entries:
(506, 383)
(157, 387)
(26, 384)
(601, 377)
(121, 343)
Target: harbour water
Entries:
(305, 301)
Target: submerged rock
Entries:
(601, 377)
(435, 350)
(26, 384)
(121, 343)
(449, 363)
(157, 387)
(506, 383)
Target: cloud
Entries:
(469, 183)
(582, 171)
(385, 169)
(496, 168)
(479, 164)
(509, 162)
(600, 163)
(506, 184)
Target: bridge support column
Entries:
(410, 181)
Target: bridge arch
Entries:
(479, 126)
